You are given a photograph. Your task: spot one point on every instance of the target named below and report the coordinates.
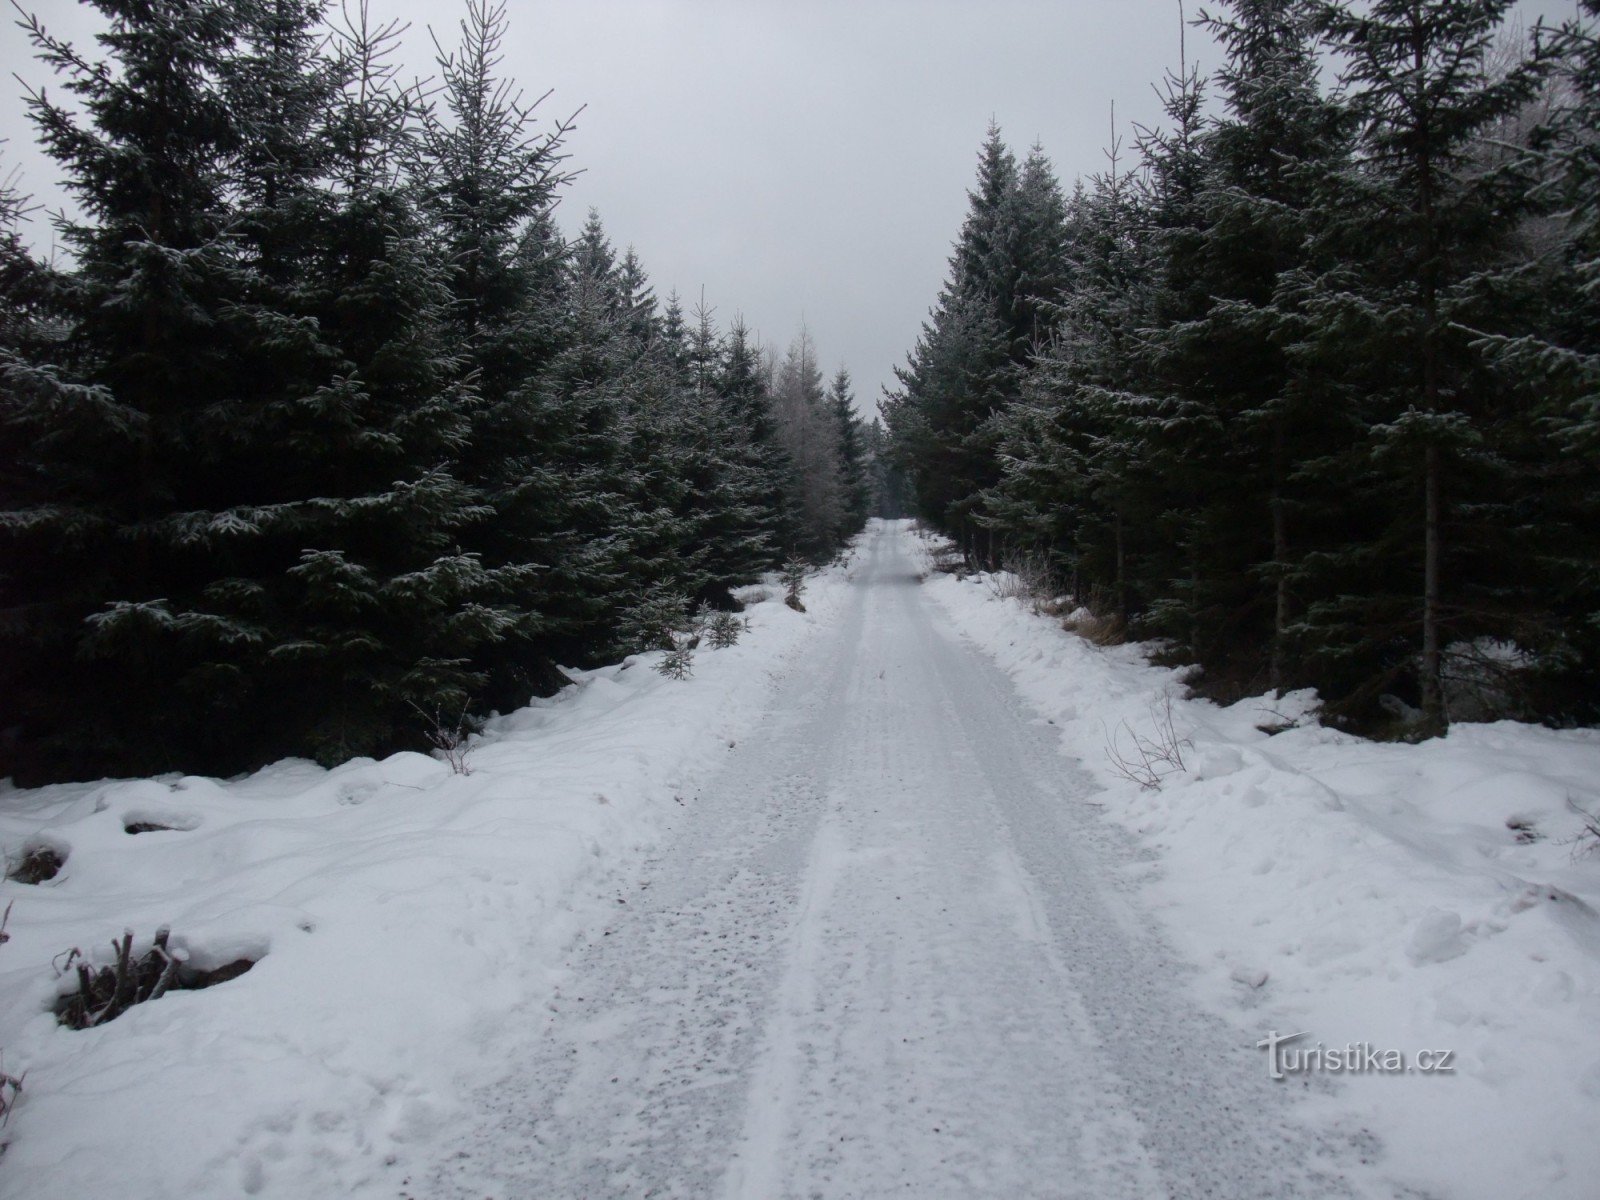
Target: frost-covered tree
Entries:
(370, 609)
(808, 434)
(489, 177)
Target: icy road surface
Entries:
(887, 954)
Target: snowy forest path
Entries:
(891, 951)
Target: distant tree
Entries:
(736, 490)
(886, 482)
(856, 488)
(743, 383)
(807, 432)
(967, 366)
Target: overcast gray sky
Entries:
(797, 159)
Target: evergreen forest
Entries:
(321, 434)
(1305, 383)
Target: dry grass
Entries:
(1096, 629)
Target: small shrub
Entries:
(654, 622)
(678, 663)
(1486, 680)
(701, 619)
(10, 1089)
(723, 630)
(1027, 579)
(948, 559)
(451, 741)
(794, 583)
(1148, 759)
(1587, 840)
(105, 993)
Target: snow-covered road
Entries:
(889, 951)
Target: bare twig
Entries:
(1587, 840)
(1147, 760)
(451, 741)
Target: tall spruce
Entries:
(1547, 354)
(373, 613)
(1411, 222)
(1279, 138)
(967, 364)
(111, 550)
(490, 177)
(742, 383)
(736, 493)
(1246, 427)
(1069, 480)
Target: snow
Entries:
(399, 913)
(862, 906)
(1367, 893)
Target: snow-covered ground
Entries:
(1399, 897)
(400, 913)
(854, 911)
(888, 953)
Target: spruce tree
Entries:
(1413, 223)
(805, 429)
(374, 614)
(1244, 430)
(853, 464)
(964, 366)
(735, 491)
(968, 364)
(110, 554)
(1547, 355)
(489, 179)
(741, 382)
(1069, 457)
(1172, 432)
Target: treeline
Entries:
(1311, 388)
(322, 425)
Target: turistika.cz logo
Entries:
(1287, 1055)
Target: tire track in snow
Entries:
(881, 959)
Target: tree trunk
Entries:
(1435, 720)
(1433, 711)
(1122, 573)
(1277, 670)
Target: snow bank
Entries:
(1402, 897)
(403, 916)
